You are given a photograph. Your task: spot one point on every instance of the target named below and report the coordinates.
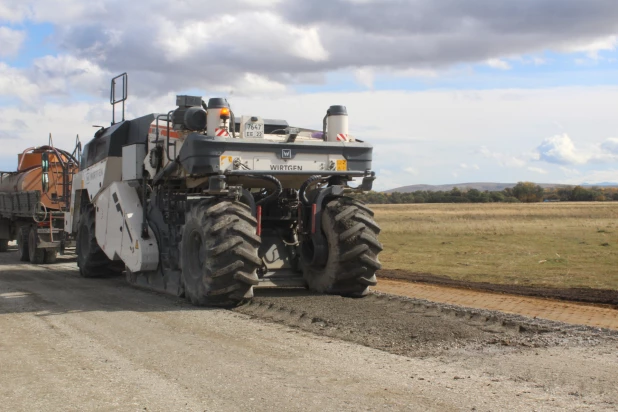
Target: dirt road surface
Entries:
(73, 344)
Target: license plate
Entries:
(254, 130)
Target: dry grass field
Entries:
(541, 244)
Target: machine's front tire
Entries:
(219, 253)
(22, 244)
(91, 259)
(4, 245)
(353, 248)
(36, 255)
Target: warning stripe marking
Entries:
(221, 132)
(342, 137)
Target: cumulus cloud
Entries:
(10, 41)
(197, 44)
(560, 149)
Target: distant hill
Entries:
(482, 186)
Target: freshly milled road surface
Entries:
(73, 344)
(568, 312)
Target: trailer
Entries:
(33, 202)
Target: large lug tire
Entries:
(22, 243)
(219, 253)
(4, 245)
(51, 256)
(35, 254)
(91, 260)
(353, 248)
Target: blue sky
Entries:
(447, 92)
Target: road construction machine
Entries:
(202, 203)
(33, 202)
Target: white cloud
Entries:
(592, 48)
(610, 145)
(467, 166)
(595, 177)
(561, 150)
(14, 84)
(538, 170)
(503, 159)
(365, 77)
(412, 171)
(570, 172)
(10, 41)
(498, 64)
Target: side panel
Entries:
(103, 221)
(121, 221)
(100, 175)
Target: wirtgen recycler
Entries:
(202, 203)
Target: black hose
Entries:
(303, 188)
(273, 195)
(324, 127)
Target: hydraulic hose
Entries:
(275, 194)
(303, 188)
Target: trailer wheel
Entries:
(51, 256)
(22, 243)
(353, 249)
(91, 260)
(35, 254)
(4, 245)
(219, 253)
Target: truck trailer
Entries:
(33, 200)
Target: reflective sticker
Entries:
(342, 165)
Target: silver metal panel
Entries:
(132, 160)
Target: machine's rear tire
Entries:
(91, 260)
(219, 253)
(353, 248)
(22, 243)
(51, 256)
(35, 254)
(4, 245)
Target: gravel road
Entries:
(72, 344)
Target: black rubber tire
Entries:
(91, 260)
(51, 256)
(219, 253)
(35, 254)
(4, 245)
(353, 249)
(22, 244)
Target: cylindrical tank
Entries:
(29, 176)
(216, 124)
(337, 124)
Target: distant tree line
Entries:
(526, 192)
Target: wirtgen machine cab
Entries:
(200, 202)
